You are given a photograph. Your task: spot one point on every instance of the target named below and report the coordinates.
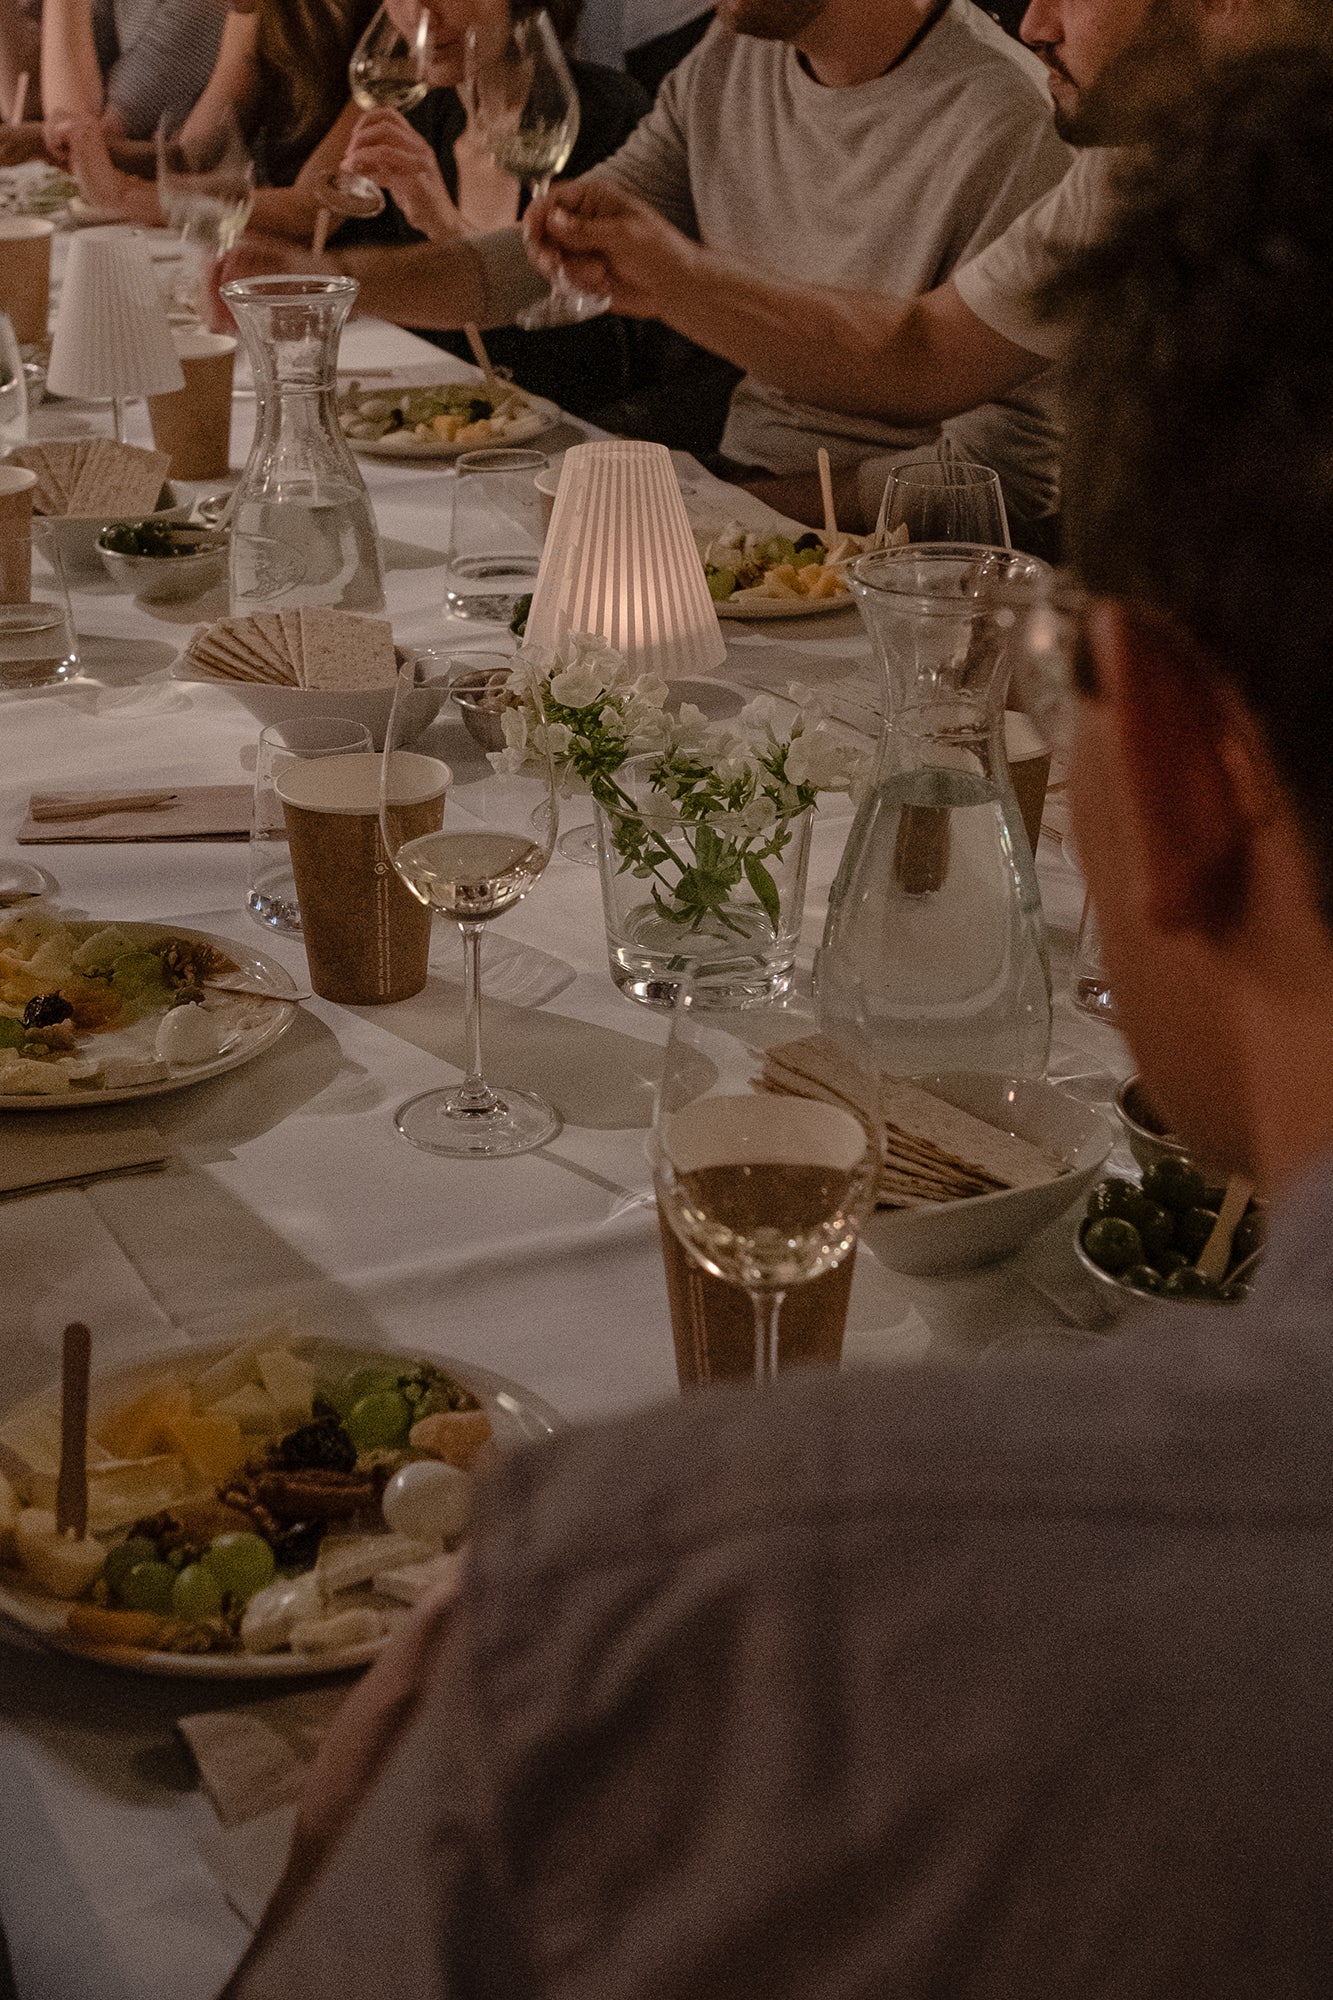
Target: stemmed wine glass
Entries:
(525, 104)
(943, 500)
(763, 1187)
(388, 71)
(495, 839)
(206, 188)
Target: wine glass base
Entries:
(436, 1122)
(351, 197)
(566, 308)
(580, 845)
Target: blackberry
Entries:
(47, 1011)
(320, 1446)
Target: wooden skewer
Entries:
(482, 358)
(99, 808)
(323, 225)
(826, 491)
(20, 98)
(1217, 1250)
(72, 1485)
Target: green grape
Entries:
(123, 1558)
(240, 1564)
(148, 1587)
(139, 975)
(13, 1034)
(380, 1421)
(196, 1593)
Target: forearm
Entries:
(436, 285)
(71, 78)
(903, 361)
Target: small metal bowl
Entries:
(481, 700)
(1146, 1137)
(173, 579)
(1118, 1296)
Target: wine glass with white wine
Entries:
(767, 1142)
(519, 92)
(388, 71)
(496, 837)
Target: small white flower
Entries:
(579, 685)
(514, 723)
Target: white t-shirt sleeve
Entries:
(1002, 282)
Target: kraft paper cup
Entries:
(25, 274)
(16, 484)
(367, 939)
(712, 1322)
(193, 424)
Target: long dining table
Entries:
(289, 1191)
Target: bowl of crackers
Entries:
(310, 661)
(86, 485)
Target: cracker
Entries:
(290, 622)
(342, 650)
(266, 633)
(116, 479)
(223, 651)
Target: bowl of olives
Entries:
(1145, 1237)
(163, 562)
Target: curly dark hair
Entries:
(1199, 396)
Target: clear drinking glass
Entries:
(13, 386)
(934, 944)
(388, 71)
(38, 647)
(763, 1188)
(943, 500)
(272, 894)
(496, 839)
(301, 485)
(519, 91)
(206, 187)
(495, 533)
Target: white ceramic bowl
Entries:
(77, 534)
(958, 1235)
(169, 579)
(267, 703)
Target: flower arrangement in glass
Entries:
(703, 827)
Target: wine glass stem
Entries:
(767, 1311)
(474, 1093)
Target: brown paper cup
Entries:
(16, 484)
(25, 274)
(367, 939)
(193, 424)
(1029, 769)
(712, 1322)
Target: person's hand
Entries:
(101, 182)
(23, 142)
(394, 155)
(610, 245)
(266, 256)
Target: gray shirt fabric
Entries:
(886, 185)
(158, 55)
(928, 1685)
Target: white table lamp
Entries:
(621, 561)
(112, 338)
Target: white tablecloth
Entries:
(290, 1183)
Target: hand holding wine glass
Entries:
(763, 1188)
(497, 835)
(389, 70)
(525, 104)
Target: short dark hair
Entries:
(1199, 400)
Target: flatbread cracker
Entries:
(339, 649)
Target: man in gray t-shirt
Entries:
(973, 1683)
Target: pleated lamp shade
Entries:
(620, 561)
(112, 338)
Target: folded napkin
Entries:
(247, 1861)
(187, 812)
(254, 1759)
(54, 1149)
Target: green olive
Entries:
(1168, 1261)
(1189, 1284)
(1193, 1229)
(1143, 1278)
(1113, 1197)
(1175, 1184)
(1113, 1244)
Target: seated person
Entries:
(646, 37)
(822, 140)
(981, 1682)
(443, 184)
(126, 63)
(970, 340)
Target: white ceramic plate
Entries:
(959, 1235)
(536, 416)
(751, 608)
(517, 1417)
(266, 1021)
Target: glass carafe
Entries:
(934, 945)
(302, 530)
